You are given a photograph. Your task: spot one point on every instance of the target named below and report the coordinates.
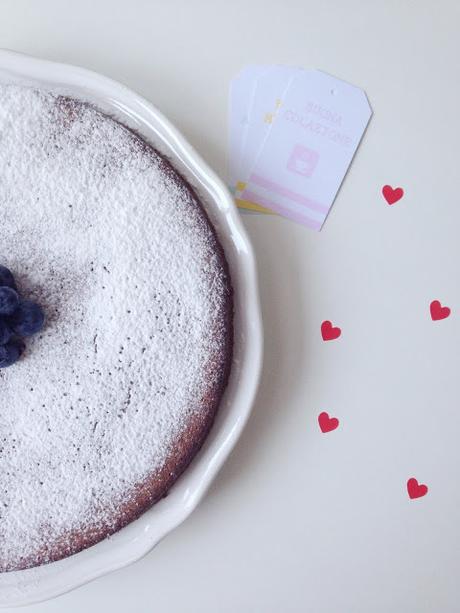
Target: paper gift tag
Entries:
(241, 99)
(241, 94)
(267, 98)
(268, 93)
(309, 148)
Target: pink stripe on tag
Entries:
(287, 193)
(274, 206)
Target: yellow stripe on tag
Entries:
(252, 206)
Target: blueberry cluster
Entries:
(18, 318)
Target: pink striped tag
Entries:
(287, 193)
(300, 217)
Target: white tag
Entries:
(241, 91)
(309, 148)
(268, 93)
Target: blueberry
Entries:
(10, 353)
(27, 319)
(5, 332)
(8, 300)
(6, 278)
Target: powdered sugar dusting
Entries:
(98, 230)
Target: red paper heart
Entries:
(416, 489)
(326, 423)
(329, 332)
(437, 311)
(391, 194)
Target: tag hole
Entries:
(334, 92)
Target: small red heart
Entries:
(391, 194)
(416, 489)
(437, 311)
(326, 423)
(328, 332)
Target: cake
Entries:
(111, 401)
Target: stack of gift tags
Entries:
(292, 136)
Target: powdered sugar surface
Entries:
(125, 265)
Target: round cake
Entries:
(110, 402)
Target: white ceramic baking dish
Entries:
(141, 536)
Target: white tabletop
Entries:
(299, 520)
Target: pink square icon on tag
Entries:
(303, 161)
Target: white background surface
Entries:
(298, 520)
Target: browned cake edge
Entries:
(187, 445)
